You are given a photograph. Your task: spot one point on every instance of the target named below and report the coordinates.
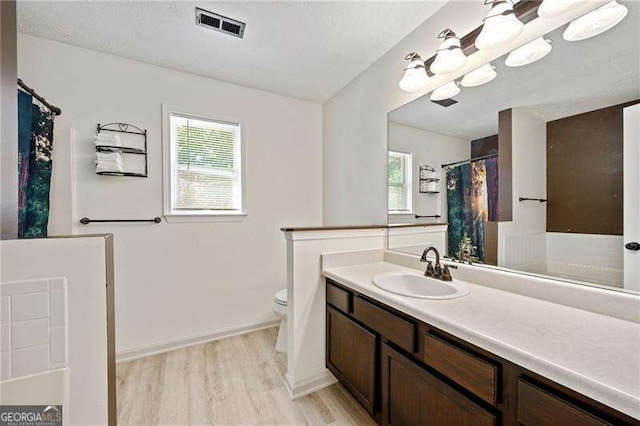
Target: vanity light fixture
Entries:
(529, 53)
(447, 91)
(449, 56)
(596, 22)
(415, 75)
(553, 8)
(479, 76)
(501, 25)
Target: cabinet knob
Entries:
(634, 246)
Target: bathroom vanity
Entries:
(411, 361)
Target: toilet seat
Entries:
(281, 311)
(281, 297)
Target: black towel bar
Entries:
(542, 200)
(86, 220)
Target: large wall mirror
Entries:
(535, 171)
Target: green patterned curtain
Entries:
(35, 143)
(472, 200)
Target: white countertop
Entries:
(593, 354)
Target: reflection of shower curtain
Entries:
(472, 199)
(35, 142)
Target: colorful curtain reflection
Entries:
(35, 142)
(472, 200)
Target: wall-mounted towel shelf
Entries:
(127, 129)
(86, 220)
(542, 200)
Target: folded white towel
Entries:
(108, 139)
(112, 169)
(108, 156)
(115, 142)
(109, 166)
(105, 135)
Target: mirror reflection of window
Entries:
(400, 182)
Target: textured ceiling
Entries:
(575, 77)
(307, 50)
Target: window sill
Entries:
(396, 213)
(205, 217)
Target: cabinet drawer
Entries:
(538, 407)
(469, 371)
(338, 297)
(394, 328)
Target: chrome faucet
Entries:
(437, 271)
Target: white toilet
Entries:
(280, 309)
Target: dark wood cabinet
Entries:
(539, 407)
(351, 357)
(406, 372)
(413, 396)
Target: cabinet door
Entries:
(413, 396)
(351, 357)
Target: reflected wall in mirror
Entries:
(535, 171)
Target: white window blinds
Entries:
(205, 165)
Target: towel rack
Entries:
(435, 216)
(86, 220)
(542, 200)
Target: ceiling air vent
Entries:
(445, 102)
(211, 20)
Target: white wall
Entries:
(81, 261)
(306, 332)
(529, 180)
(433, 149)
(631, 196)
(355, 118)
(8, 122)
(180, 281)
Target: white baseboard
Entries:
(305, 387)
(157, 348)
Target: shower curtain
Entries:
(35, 143)
(472, 200)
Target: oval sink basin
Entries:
(414, 284)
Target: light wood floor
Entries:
(234, 381)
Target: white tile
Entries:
(5, 337)
(58, 308)
(29, 306)
(5, 365)
(5, 310)
(29, 333)
(58, 284)
(58, 347)
(29, 361)
(23, 287)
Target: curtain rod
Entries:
(457, 163)
(54, 109)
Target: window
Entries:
(205, 167)
(400, 188)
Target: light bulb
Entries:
(415, 76)
(449, 57)
(479, 76)
(596, 22)
(529, 53)
(553, 8)
(500, 26)
(447, 91)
